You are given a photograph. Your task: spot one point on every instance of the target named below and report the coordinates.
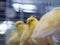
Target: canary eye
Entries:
(32, 20)
(18, 24)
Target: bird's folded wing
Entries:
(38, 32)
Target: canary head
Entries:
(20, 25)
(32, 21)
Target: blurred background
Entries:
(14, 10)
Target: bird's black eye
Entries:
(32, 20)
(18, 24)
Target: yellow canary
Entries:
(31, 23)
(15, 36)
(48, 24)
